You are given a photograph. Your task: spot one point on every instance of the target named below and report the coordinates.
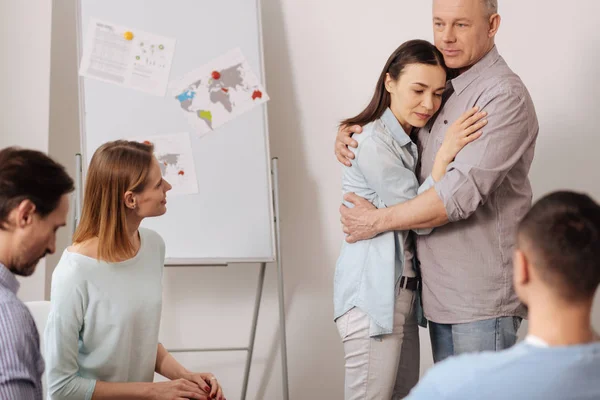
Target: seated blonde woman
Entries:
(102, 332)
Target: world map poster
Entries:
(218, 92)
(176, 161)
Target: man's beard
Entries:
(24, 267)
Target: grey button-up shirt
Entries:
(21, 363)
(467, 264)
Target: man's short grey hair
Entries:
(491, 6)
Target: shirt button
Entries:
(445, 122)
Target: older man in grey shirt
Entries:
(466, 265)
(33, 205)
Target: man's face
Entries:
(36, 238)
(461, 31)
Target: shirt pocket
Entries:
(436, 141)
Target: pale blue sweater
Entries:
(104, 320)
(523, 372)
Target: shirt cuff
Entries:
(444, 189)
(90, 391)
(426, 185)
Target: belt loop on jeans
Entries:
(403, 282)
(409, 283)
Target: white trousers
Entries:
(384, 367)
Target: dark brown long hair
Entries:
(411, 52)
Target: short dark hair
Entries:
(562, 234)
(29, 174)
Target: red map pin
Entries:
(181, 173)
(257, 95)
(216, 75)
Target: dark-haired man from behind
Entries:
(33, 204)
(556, 274)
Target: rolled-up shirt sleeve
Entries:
(479, 169)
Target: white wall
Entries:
(322, 60)
(24, 91)
(555, 50)
(64, 140)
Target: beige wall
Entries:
(64, 140)
(24, 91)
(322, 60)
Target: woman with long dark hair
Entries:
(376, 286)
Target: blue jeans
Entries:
(487, 335)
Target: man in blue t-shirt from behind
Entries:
(556, 274)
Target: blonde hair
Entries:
(116, 167)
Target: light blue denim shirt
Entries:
(383, 172)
